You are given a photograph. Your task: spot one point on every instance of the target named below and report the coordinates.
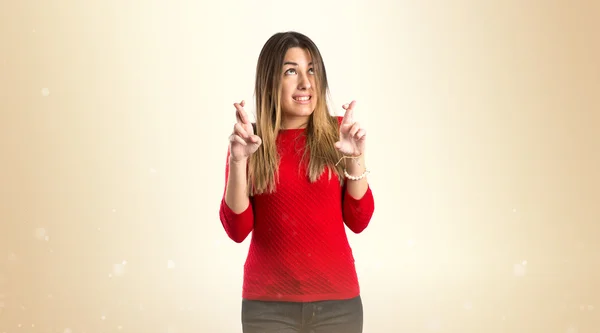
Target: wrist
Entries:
(239, 161)
(356, 164)
(356, 170)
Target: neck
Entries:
(294, 122)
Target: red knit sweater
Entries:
(299, 250)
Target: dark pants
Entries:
(338, 316)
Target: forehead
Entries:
(297, 55)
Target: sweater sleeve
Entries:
(357, 212)
(237, 225)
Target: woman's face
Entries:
(298, 91)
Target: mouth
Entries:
(304, 99)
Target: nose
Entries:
(304, 82)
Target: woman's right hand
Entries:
(242, 142)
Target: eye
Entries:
(290, 71)
(311, 71)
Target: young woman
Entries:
(295, 179)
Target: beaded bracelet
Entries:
(366, 172)
(356, 177)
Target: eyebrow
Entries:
(294, 64)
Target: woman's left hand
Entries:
(352, 136)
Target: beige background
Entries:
(484, 147)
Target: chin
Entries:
(301, 110)
(304, 113)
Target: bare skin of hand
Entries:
(242, 142)
(352, 136)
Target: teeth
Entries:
(302, 98)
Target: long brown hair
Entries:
(322, 128)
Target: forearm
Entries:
(236, 194)
(358, 204)
(356, 167)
